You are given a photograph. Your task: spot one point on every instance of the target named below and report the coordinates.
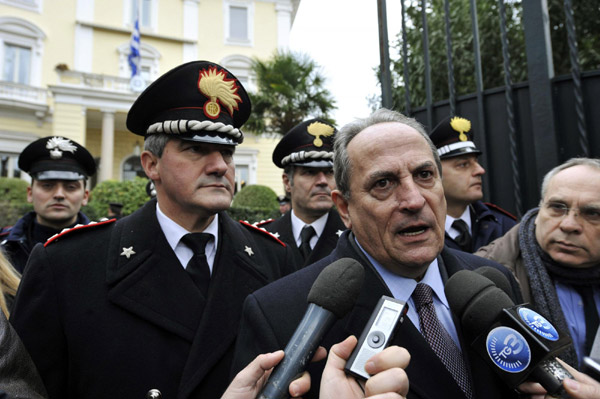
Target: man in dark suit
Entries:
(389, 194)
(115, 309)
(59, 169)
(312, 227)
(470, 223)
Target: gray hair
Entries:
(155, 143)
(591, 162)
(342, 167)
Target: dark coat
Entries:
(282, 305)
(282, 228)
(18, 376)
(16, 240)
(99, 324)
(488, 222)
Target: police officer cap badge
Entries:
(453, 137)
(308, 144)
(197, 101)
(57, 158)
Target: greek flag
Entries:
(134, 50)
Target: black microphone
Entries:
(497, 278)
(332, 295)
(518, 343)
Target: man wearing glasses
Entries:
(555, 253)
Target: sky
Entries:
(342, 37)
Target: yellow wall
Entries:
(69, 121)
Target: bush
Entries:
(130, 193)
(254, 203)
(13, 200)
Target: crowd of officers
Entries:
(177, 300)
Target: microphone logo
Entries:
(538, 324)
(508, 349)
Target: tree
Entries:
(290, 90)
(586, 14)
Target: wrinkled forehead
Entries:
(580, 184)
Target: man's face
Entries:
(461, 178)
(56, 202)
(572, 240)
(396, 207)
(192, 178)
(310, 190)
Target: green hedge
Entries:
(130, 193)
(254, 203)
(13, 200)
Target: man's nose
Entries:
(216, 163)
(410, 196)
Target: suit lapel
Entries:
(328, 239)
(150, 282)
(237, 275)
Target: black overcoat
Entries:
(272, 313)
(101, 324)
(282, 228)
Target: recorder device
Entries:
(377, 335)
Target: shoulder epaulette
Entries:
(263, 222)
(262, 230)
(4, 231)
(497, 208)
(77, 227)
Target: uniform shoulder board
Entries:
(262, 230)
(4, 231)
(498, 209)
(78, 227)
(263, 222)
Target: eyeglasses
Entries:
(558, 210)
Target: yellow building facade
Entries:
(66, 72)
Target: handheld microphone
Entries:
(515, 341)
(497, 278)
(331, 297)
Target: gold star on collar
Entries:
(248, 250)
(128, 252)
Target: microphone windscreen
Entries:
(338, 286)
(497, 278)
(475, 300)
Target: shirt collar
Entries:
(173, 231)
(466, 217)
(298, 224)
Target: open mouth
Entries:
(413, 231)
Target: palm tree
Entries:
(290, 89)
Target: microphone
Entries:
(331, 297)
(518, 343)
(497, 278)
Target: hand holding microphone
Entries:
(332, 295)
(516, 342)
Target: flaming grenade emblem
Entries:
(57, 145)
(319, 129)
(461, 125)
(214, 85)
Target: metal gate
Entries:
(524, 129)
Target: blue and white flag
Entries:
(134, 57)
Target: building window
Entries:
(132, 167)
(21, 48)
(238, 22)
(241, 67)
(17, 64)
(148, 12)
(148, 64)
(8, 165)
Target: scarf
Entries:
(542, 271)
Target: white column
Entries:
(190, 30)
(283, 8)
(108, 140)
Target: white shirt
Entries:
(402, 288)
(318, 225)
(452, 232)
(173, 232)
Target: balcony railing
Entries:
(94, 81)
(23, 94)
